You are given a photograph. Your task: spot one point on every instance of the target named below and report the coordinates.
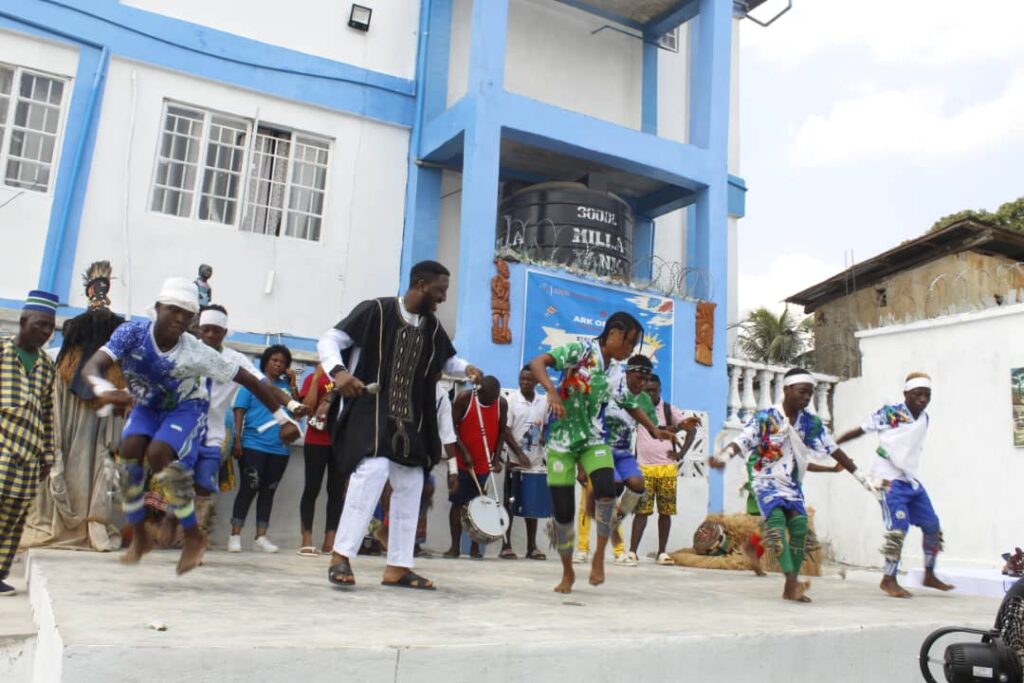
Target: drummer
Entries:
(480, 418)
(524, 452)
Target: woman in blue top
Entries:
(263, 455)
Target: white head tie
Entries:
(800, 378)
(213, 317)
(180, 292)
(917, 383)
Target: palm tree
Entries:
(776, 339)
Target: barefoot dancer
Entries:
(577, 433)
(901, 430)
(166, 371)
(391, 435)
(780, 440)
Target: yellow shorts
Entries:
(660, 484)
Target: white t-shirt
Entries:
(900, 442)
(445, 426)
(222, 395)
(525, 424)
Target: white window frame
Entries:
(58, 140)
(242, 199)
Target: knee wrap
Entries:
(934, 543)
(204, 513)
(627, 503)
(563, 537)
(812, 543)
(797, 535)
(892, 547)
(603, 510)
(772, 539)
(175, 484)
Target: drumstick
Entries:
(487, 448)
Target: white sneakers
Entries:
(263, 543)
(626, 559)
(580, 557)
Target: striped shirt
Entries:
(26, 421)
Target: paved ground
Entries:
(15, 612)
(292, 595)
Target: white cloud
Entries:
(787, 274)
(912, 124)
(929, 32)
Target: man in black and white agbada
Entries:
(391, 434)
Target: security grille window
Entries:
(30, 111)
(270, 182)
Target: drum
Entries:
(531, 497)
(485, 520)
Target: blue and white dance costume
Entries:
(905, 501)
(171, 392)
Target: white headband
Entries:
(917, 383)
(213, 317)
(801, 378)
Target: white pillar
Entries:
(749, 401)
(764, 389)
(779, 377)
(732, 418)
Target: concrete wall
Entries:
(311, 26)
(953, 283)
(24, 214)
(458, 57)
(970, 467)
(554, 56)
(313, 281)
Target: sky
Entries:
(864, 122)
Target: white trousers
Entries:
(364, 489)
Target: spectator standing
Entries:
(263, 456)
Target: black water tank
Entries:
(569, 224)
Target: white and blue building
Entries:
(311, 162)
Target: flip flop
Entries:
(341, 574)
(412, 580)
(508, 554)
(308, 551)
(536, 555)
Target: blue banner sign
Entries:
(561, 310)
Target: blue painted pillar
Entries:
(643, 247)
(481, 161)
(423, 185)
(649, 87)
(72, 176)
(710, 69)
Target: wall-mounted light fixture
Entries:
(359, 17)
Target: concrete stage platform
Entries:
(252, 617)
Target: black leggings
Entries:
(260, 474)
(563, 498)
(319, 459)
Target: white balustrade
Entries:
(756, 386)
